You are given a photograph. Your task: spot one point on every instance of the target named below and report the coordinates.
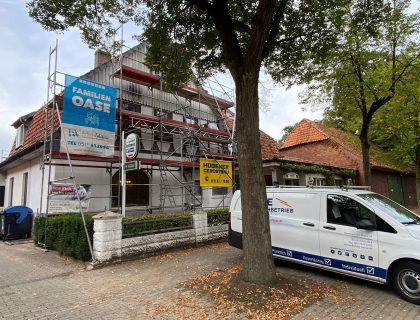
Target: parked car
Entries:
(350, 231)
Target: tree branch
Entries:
(261, 25)
(218, 11)
(274, 30)
(397, 78)
(241, 25)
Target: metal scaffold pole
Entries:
(55, 112)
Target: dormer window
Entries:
(20, 135)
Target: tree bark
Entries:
(418, 178)
(258, 264)
(364, 141)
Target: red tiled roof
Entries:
(269, 147)
(305, 131)
(35, 131)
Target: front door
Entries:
(343, 246)
(395, 188)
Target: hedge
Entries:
(155, 223)
(217, 216)
(65, 234)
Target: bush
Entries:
(155, 223)
(217, 216)
(65, 234)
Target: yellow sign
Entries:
(215, 173)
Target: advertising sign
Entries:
(215, 173)
(131, 146)
(63, 197)
(89, 110)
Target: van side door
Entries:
(348, 236)
(294, 223)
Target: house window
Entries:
(219, 191)
(20, 135)
(25, 189)
(291, 179)
(316, 180)
(11, 186)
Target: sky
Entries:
(24, 51)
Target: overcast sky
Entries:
(24, 64)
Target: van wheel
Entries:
(406, 281)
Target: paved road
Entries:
(38, 285)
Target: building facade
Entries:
(174, 130)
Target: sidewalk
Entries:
(38, 285)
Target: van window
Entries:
(391, 208)
(346, 211)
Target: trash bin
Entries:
(16, 221)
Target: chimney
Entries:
(101, 57)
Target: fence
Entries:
(110, 243)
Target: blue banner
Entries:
(89, 112)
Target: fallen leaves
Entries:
(222, 294)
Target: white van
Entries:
(350, 231)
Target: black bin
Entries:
(16, 222)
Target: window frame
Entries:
(372, 215)
(20, 136)
(25, 179)
(219, 188)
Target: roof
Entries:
(304, 132)
(269, 147)
(23, 120)
(34, 135)
(308, 132)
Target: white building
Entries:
(174, 130)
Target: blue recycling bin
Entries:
(16, 222)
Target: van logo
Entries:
(283, 202)
(370, 270)
(327, 262)
(278, 206)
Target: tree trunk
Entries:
(258, 264)
(366, 174)
(418, 179)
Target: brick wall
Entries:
(380, 182)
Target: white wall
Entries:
(32, 167)
(98, 178)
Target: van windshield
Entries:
(391, 208)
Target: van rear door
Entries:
(294, 223)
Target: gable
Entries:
(304, 132)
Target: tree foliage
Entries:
(371, 64)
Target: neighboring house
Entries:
(312, 143)
(175, 129)
(2, 189)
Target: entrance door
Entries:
(137, 188)
(343, 246)
(395, 188)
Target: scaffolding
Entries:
(175, 130)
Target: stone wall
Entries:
(108, 244)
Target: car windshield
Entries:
(391, 208)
